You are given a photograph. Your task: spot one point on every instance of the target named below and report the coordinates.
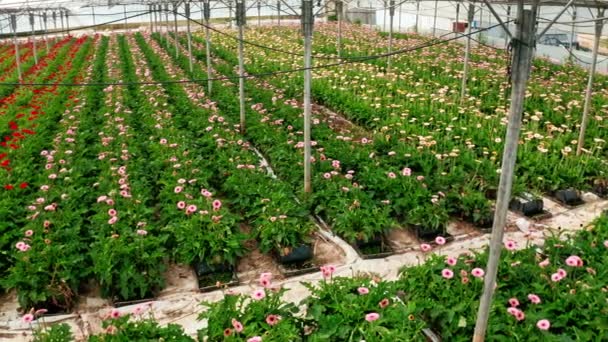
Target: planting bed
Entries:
(120, 195)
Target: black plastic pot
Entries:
(569, 197)
(299, 254)
(527, 204)
(118, 303)
(203, 268)
(428, 234)
(486, 222)
(214, 276)
(374, 241)
(491, 194)
(375, 248)
(600, 189)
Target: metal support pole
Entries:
(467, 52)
(457, 19)
(507, 25)
(67, 22)
(44, 29)
(374, 15)
(202, 11)
(124, 9)
(55, 25)
(240, 22)
(521, 62)
(187, 5)
(207, 14)
(435, 18)
(17, 58)
(599, 25)
(339, 18)
(33, 38)
(307, 29)
(93, 14)
(572, 30)
(175, 5)
(384, 19)
(399, 19)
(259, 13)
(167, 23)
(62, 28)
(417, 15)
(279, 12)
(229, 13)
(151, 18)
(390, 35)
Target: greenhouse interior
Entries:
(303, 170)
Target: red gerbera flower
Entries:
(23, 185)
(8, 187)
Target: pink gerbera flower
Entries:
(477, 272)
(258, 294)
(27, 318)
(217, 204)
(114, 313)
(543, 324)
(272, 319)
(510, 245)
(425, 247)
(370, 317)
(363, 290)
(574, 261)
(440, 240)
(238, 327)
(451, 261)
(447, 273)
(535, 299)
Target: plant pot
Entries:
(600, 188)
(491, 194)
(374, 241)
(425, 234)
(486, 223)
(215, 276)
(374, 248)
(203, 268)
(527, 204)
(298, 254)
(296, 269)
(118, 303)
(569, 197)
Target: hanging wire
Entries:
(257, 75)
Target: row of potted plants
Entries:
(417, 92)
(128, 251)
(265, 204)
(546, 293)
(31, 128)
(393, 130)
(50, 252)
(401, 189)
